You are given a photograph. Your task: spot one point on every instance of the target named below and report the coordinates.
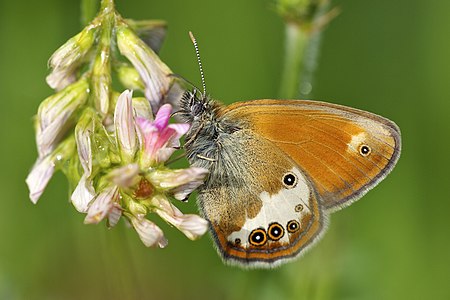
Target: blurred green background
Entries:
(388, 57)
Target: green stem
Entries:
(296, 42)
(303, 37)
(107, 4)
(88, 11)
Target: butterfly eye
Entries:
(290, 180)
(257, 237)
(364, 150)
(293, 226)
(197, 109)
(275, 231)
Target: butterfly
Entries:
(278, 168)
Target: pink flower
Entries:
(160, 139)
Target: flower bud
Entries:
(101, 81)
(142, 108)
(102, 205)
(125, 127)
(149, 233)
(84, 192)
(154, 73)
(152, 32)
(55, 113)
(114, 215)
(180, 182)
(137, 208)
(44, 168)
(66, 60)
(125, 176)
(129, 77)
(191, 225)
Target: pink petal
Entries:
(163, 154)
(163, 137)
(160, 139)
(180, 128)
(163, 116)
(145, 125)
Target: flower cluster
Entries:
(110, 146)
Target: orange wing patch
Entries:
(344, 151)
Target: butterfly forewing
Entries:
(344, 151)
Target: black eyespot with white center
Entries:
(364, 150)
(290, 180)
(293, 226)
(258, 237)
(275, 231)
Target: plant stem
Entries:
(302, 50)
(107, 4)
(296, 43)
(88, 11)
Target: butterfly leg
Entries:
(206, 158)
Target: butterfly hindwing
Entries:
(261, 211)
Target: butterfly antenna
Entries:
(177, 76)
(194, 41)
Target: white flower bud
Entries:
(101, 81)
(44, 168)
(149, 233)
(129, 77)
(55, 113)
(125, 127)
(102, 205)
(66, 60)
(154, 73)
(192, 226)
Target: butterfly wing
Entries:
(261, 211)
(344, 151)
